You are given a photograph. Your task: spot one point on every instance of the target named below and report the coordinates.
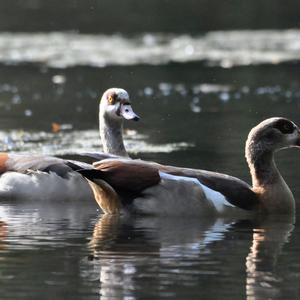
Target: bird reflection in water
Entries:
(117, 267)
(129, 251)
(3, 235)
(269, 237)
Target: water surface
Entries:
(196, 110)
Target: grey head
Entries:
(270, 136)
(116, 105)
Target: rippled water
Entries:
(81, 254)
(197, 96)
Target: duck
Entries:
(36, 177)
(115, 107)
(124, 185)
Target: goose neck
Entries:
(274, 194)
(111, 133)
(263, 169)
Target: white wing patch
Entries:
(189, 194)
(219, 201)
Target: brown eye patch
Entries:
(284, 126)
(112, 98)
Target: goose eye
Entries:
(285, 127)
(111, 99)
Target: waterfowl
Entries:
(114, 107)
(151, 188)
(40, 177)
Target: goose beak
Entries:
(127, 112)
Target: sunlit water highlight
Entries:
(220, 48)
(76, 142)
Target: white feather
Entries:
(44, 186)
(179, 195)
(219, 201)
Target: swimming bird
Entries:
(151, 188)
(45, 177)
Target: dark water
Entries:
(198, 94)
(192, 115)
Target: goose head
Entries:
(115, 105)
(270, 136)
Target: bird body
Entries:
(153, 188)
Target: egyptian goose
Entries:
(39, 176)
(152, 188)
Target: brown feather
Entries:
(105, 196)
(3, 160)
(130, 176)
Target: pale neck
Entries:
(111, 133)
(267, 182)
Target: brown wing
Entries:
(125, 175)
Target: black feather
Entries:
(91, 174)
(61, 170)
